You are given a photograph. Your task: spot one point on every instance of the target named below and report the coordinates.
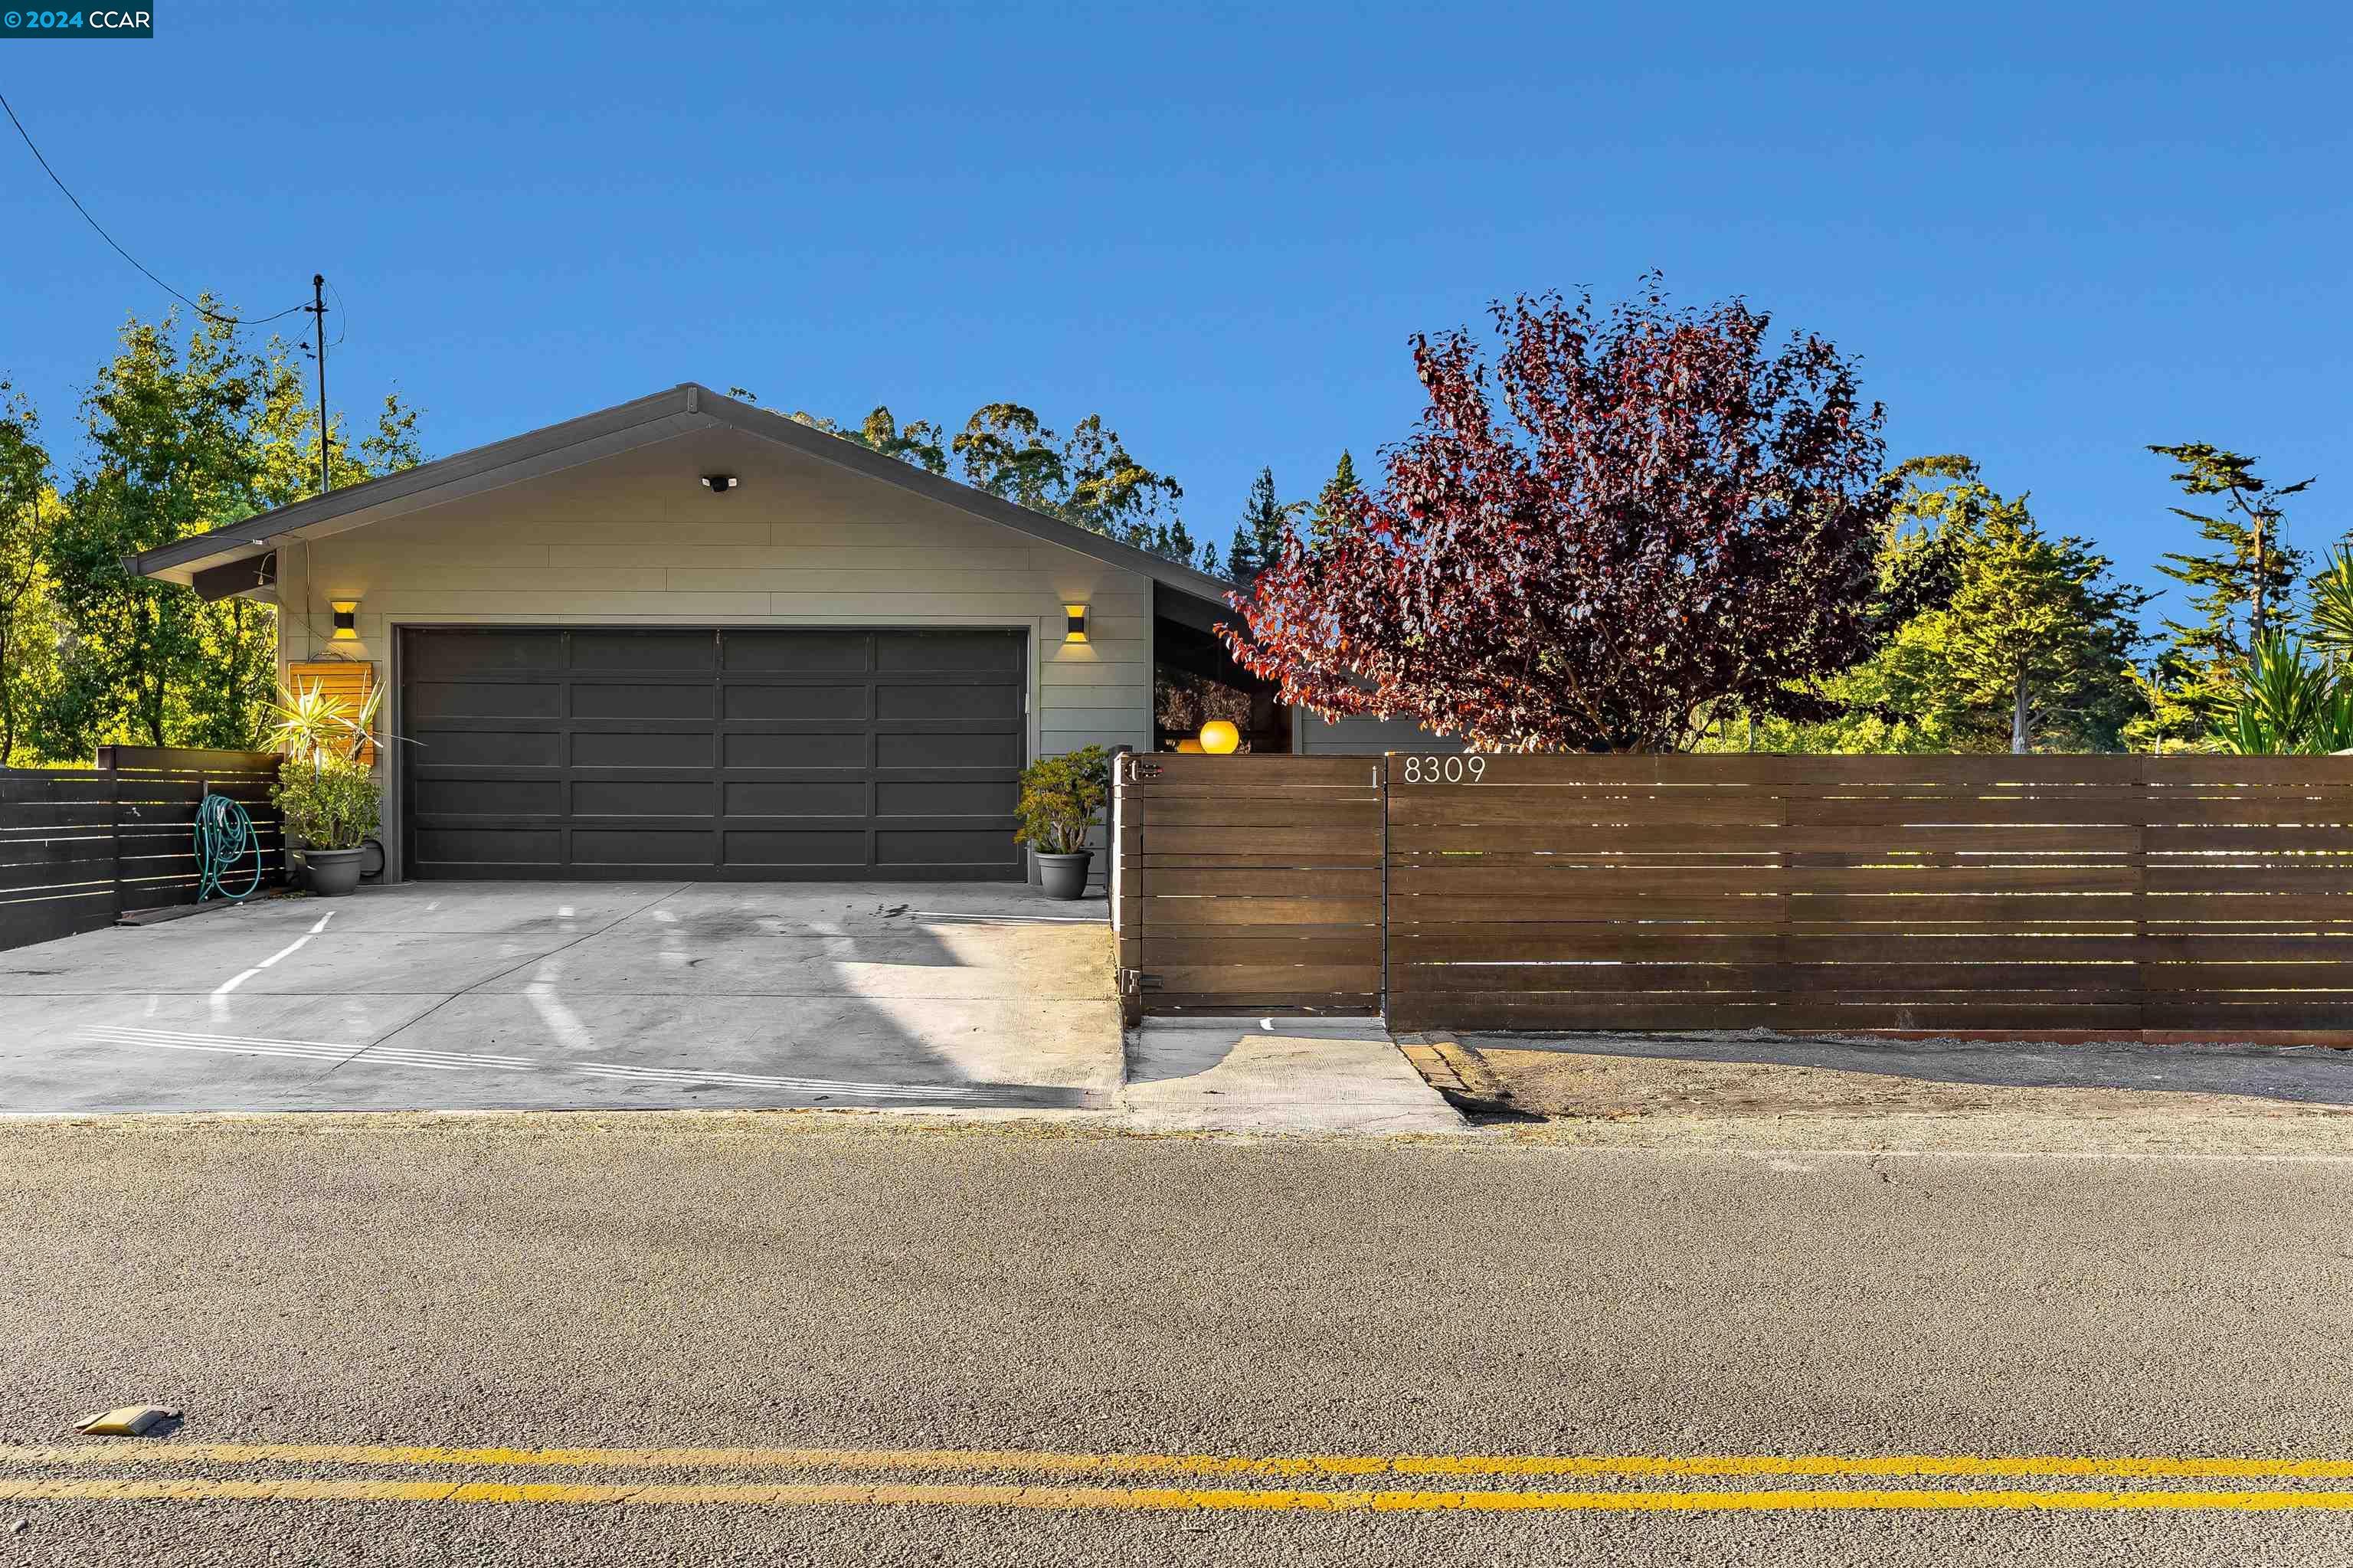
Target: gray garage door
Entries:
(711, 755)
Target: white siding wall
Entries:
(910, 562)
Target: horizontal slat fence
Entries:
(79, 849)
(1251, 884)
(2057, 896)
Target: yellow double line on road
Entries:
(146, 1456)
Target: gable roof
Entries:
(217, 557)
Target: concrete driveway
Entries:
(562, 995)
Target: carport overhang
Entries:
(241, 559)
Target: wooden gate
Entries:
(1249, 883)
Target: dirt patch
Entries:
(1832, 1091)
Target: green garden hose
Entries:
(224, 838)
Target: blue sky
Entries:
(2052, 240)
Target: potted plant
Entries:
(325, 795)
(1060, 797)
(329, 803)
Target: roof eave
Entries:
(686, 407)
(866, 460)
(493, 467)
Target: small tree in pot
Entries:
(331, 805)
(326, 796)
(1060, 798)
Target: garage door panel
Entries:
(785, 847)
(604, 748)
(713, 754)
(945, 701)
(803, 653)
(798, 797)
(643, 846)
(506, 749)
(643, 652)
(430, 700)
(975, 651)
(744, 701)
(470, 655)
(954, 846)
(986, 751)
(935, 797)
(460, 846)
(441, 797)
(618, 700)
(852, 748)
(643, 798)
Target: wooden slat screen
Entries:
(56, 853)
(78, 848)
(1251, 884)
(347, 681)
(2169, 897)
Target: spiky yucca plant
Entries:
(312, 725)
(2287, 702)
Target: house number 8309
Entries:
(1445, 769)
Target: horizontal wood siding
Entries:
(640, 544)
(1251, 884)
(2178, 898)
(80, 848)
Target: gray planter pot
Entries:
(332, 873)
(1065, 875)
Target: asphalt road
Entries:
(766, 1283)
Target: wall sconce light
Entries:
(719, 483)
(346, 616)
(1074, 628)
(1219, 737)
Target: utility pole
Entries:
(2262, 559)
(317, 310)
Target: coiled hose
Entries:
(224, 838)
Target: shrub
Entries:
(1060, 798)
(329, 804)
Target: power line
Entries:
(200, 310)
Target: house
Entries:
(686, 638)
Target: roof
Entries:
(219, 555)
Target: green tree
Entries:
(1263, 532)
(2040, 622)
(918, 441)
(1088, 479)
(182, 436)
(1992, 633)
(2248, 571)
(1336, 506)
(28, 511)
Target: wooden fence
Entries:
(1249, 884)
(2163, 898)
(81, 849)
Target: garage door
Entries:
(711, 755)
